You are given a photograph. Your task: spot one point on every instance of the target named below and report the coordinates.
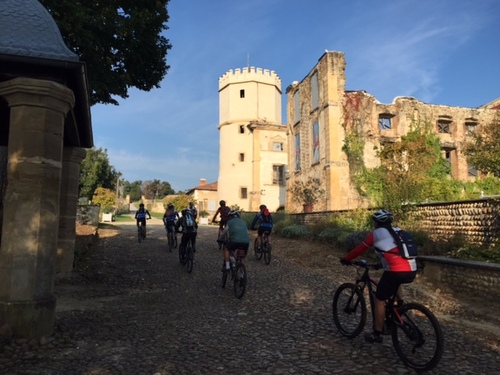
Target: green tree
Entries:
(104, 198)
(133, 189)
(156, 189)
(483, 151)
(411, 171)
(120, 42)
(95, 172)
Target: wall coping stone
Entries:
(460, 262)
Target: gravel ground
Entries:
(131, 308)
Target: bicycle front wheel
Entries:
(267, 252)
(139, 235)
(189, 259)
(240, 280)
(257, 251)
(417, 337)
(349, 310)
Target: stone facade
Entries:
(320, 111)
(253, 143)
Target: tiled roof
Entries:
(27, 29)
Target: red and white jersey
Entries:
(387, 251)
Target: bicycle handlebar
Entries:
(363, 263)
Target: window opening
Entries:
(297, 152)
(242, 129)
(242, 157)
(316, 142)
(314, 91)
(279, 175)
(384, 122)
(444, 126)
(242, 93)
(243, 193)
(470, 128)
(296, 99)
(277, 146)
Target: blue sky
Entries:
(438, 51)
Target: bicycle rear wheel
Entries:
(349, 310)
(225, 274)
(267, 252)
(182, 255)
(189, 259)
(240, 280)
(257, 250)
(170, 241)
(417, 337)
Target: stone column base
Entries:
(29, 319)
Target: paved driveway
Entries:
(135, 310)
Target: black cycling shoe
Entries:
(374, 337)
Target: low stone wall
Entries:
(88, 215)
(462, 276)
(477, 220)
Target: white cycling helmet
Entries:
(234, 213)
(383, 217)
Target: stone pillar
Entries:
(72, 158)
(31, 205)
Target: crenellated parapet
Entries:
(264, 76)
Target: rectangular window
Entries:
(444, 126)
(384, 122)
(316, 142)
(279, 175)
(296, 101)
(242, 157)
(242, 93)
(297, 152)
(473, 172)
(314, 91)
(242, 129)
(470, 128)
(277, 146)
(243, 193)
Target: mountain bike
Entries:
(141, 232)
(171, 240)
(186, 256)
(265, 250)
(416, 334)
(237, 271)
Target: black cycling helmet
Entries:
(262, 207)
(383, 217)
(222, 203)
(170, 205)
(141, 205)
(234, 213)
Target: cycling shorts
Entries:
(235, 245)
(390, 281)
(170, 226)
(141, 222)
(222, 223)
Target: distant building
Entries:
(253, 144)
(205, 196)
(319, 109)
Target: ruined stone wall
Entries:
(88, 214)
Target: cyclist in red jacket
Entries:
(397, 270)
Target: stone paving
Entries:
(137, 311)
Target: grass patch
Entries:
(123, 218)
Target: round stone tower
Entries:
(252, 139)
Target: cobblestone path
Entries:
(135, 310)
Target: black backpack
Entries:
(408, 248)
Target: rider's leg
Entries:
(226, 257)
(193, 241)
